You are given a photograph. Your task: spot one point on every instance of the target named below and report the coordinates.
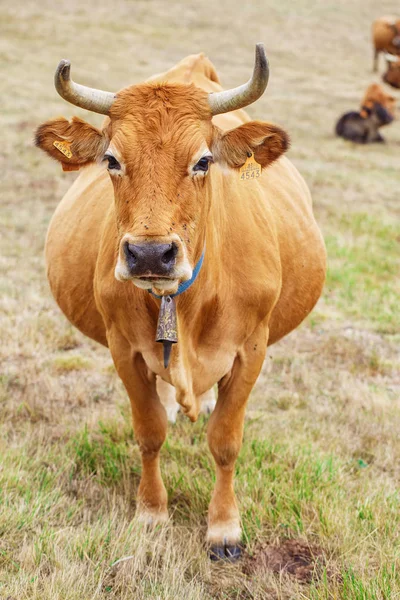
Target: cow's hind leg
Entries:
(207, 402)
(150, 427)
(167, 395)
(225, 432)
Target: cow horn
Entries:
(391, 57)
(80, 95)
(222, 102)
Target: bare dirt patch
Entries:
(295, 557)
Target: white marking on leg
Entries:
(167, 395)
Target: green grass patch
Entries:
(353, 586)
(363, 267)
(282, 486)
(103, 454)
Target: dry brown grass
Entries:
(320, 462)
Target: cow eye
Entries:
(202, 164)
(112, 162)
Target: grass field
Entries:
(318, 476)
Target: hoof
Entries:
(227, 553)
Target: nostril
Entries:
(131, 252)
(169, 255)
(150, 258)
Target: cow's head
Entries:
(392, 75)
(379, 104)
(159, 145)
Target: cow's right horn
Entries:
(391, 57)
(222, 102)
(80, 95)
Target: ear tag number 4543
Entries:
(250, 170)
(64, 147)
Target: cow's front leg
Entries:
(225, 432)
(149, 425)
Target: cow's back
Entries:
(200, 71)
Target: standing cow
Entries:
(174, 201)
(385, 37)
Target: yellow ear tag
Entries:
(250, 170)
(64, 147)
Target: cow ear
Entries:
(74, 143)
(266, 141)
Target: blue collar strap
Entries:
(186, 284)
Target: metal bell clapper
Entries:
(167, 326)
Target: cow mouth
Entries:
(152, 278)
(160, 284)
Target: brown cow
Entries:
(385, 37)
(377, 110)
(165, 187)
(392, 75)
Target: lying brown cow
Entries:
(192, 228)
(392, 75)
(385, 37)
(377, 110)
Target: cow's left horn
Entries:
(222, 102)
(80, 95)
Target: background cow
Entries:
(377, 110)
(385, 37)
(148, 209)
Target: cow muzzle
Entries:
(159, 263)
(151, 260)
